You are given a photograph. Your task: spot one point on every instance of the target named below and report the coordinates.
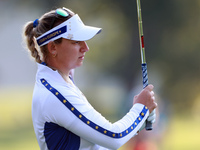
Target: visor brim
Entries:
(85, 33)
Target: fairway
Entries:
(183, 134)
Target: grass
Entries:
(183, 134)
(18, 139)
(16, 130)
(15, 120)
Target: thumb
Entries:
(150, 87)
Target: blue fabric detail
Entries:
(72, 79)
(59, 138)
(35, 23)
(51, 35)
(89, 122)
(43, 63)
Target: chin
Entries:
(79, 64)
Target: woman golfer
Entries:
(62, 117)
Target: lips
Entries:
(82, 57)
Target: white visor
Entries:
(72, 29)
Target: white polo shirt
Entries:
(63, 119)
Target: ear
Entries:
(52, 48)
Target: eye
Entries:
(76, 42)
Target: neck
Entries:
(63, 72)
(66, 77)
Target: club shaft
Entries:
(143, 58)
(141, 35)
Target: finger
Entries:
(153, 98)
(150, 87)
(155, 105)
(152, 93)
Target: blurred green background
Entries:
(111, 73)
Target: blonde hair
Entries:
(44, 24)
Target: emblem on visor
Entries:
(70, 36)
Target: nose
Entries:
(84, 47)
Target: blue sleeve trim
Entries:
(89, 122)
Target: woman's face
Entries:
(70, 54)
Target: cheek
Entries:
(68, 54)
(68, 57)
(64, 52)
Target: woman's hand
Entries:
(146, 97)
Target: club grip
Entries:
(144, 75)
(145, 84)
